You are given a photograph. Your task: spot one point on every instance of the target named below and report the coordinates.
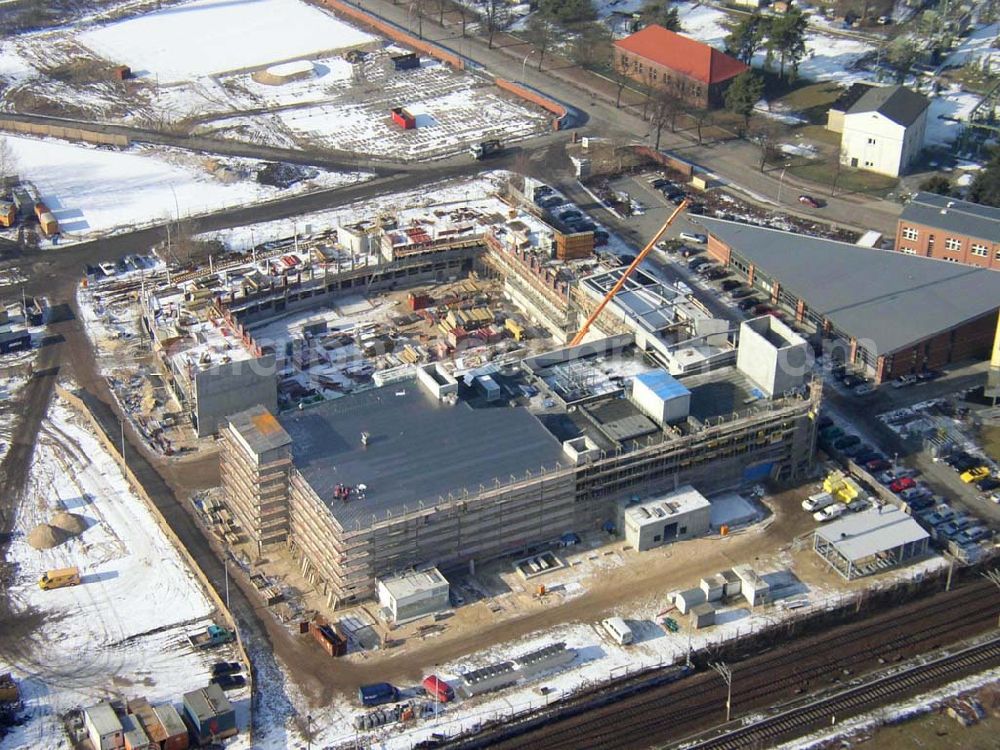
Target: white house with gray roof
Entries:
(884, 130)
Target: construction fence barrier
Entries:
(69, 133)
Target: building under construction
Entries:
(426, 472)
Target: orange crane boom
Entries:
(628, 272)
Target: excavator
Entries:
(582, 333)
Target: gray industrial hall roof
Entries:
(898, 103)
(890, 299)
(953, 215)
(861, 535)
(418, 449)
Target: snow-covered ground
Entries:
(829, 57)
(123, 630)
(95, 191)
(206, 37)
(977, 47)
(945, 109)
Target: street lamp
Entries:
(781, 181)
(309, 731)
(524, 64)
(727, 675)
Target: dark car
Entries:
(230, 681)
(763, 309)
(730, 285)
(823, 422)
(550, 201)
(717, 273)
(626, 259)
(571, 215)
(659, 183)
(965, 464)
(686, 251)
(671, 191)
(928, 375)
(583, 226)
(542, 190)
(695, 262)
(851, 380)
(846, 442)
(987, 484)
(696, 208)
(808, 200)
(677, 199)
(225, 667)
(601, 237)
(955, 458)
(704, 268)
(748, 303)
(741, 293)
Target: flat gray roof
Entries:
(418, 450)
(720, 392)
(104, 718)
(857, 536)
(891, 299)
(953, 215)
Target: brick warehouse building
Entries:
(891, 314)
(935, 226)
(657, 57)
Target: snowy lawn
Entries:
(123, 630)
(93, 191)
(205, 37)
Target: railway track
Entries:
(854, 700)
(774, 676)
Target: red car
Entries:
(438, 689)
(903, 483)
(808, 200)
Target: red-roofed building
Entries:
(657, 57)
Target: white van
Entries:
(617, 629)
(817, 502)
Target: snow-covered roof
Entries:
(860, 535)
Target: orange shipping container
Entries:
(8, 214)
(48, 224)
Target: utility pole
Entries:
(727, 675)
(309, 731)
(225, 565)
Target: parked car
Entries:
(659, 183)
(699, 261)
(853, 450)
(902, 483)
(988, 484)
(824, 421)
(571, 215)
(846, 442)
(377, 693)
(928, 375)
(862, 457)
(230, 681)
(704, 268)
(914, 492)
(601, 237)
(741, 293)
(808, 200)
(225, 667)
(955, 458)
(542, 190)
(904, 380)
(852, 381)
(968, 463)
(973, 535)
(748, 303)
(763, 309)
(550, 201)
(939, 515)
(696, 208)
(830, 512)
(730, 285)
(817, 502)
(877, 464)
(974, 474)
(830, 434)
(693, 237)
(864, 389)
(954, 527)
(716, 273)
(438, 689)
(688, 252)
(920, 503)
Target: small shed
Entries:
(685, 601)
(702, 615)
(733, 583)
(754, 588)
(8, 214)
(135, 736)
(403, 118)
(103, 727)
(407, 61)
(714, 587)
(121, 72)
(209, 714)
(413, 594)
(172, 727)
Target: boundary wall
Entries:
(66, 133)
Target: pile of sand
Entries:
(71, 523)
(44, 536)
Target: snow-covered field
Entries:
(206, 37)
(123, 630)
(95, 191)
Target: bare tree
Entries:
(496, 18)
(539, 33)
(622, 78)
(667, 105)
(702, 117)
(766, 136)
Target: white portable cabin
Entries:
(618, 629)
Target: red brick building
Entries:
(935, 226)
(657, 57)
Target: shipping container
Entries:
(8, 214)
(48, 224)
(403, 118)
(329, 637)
(438, 689)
